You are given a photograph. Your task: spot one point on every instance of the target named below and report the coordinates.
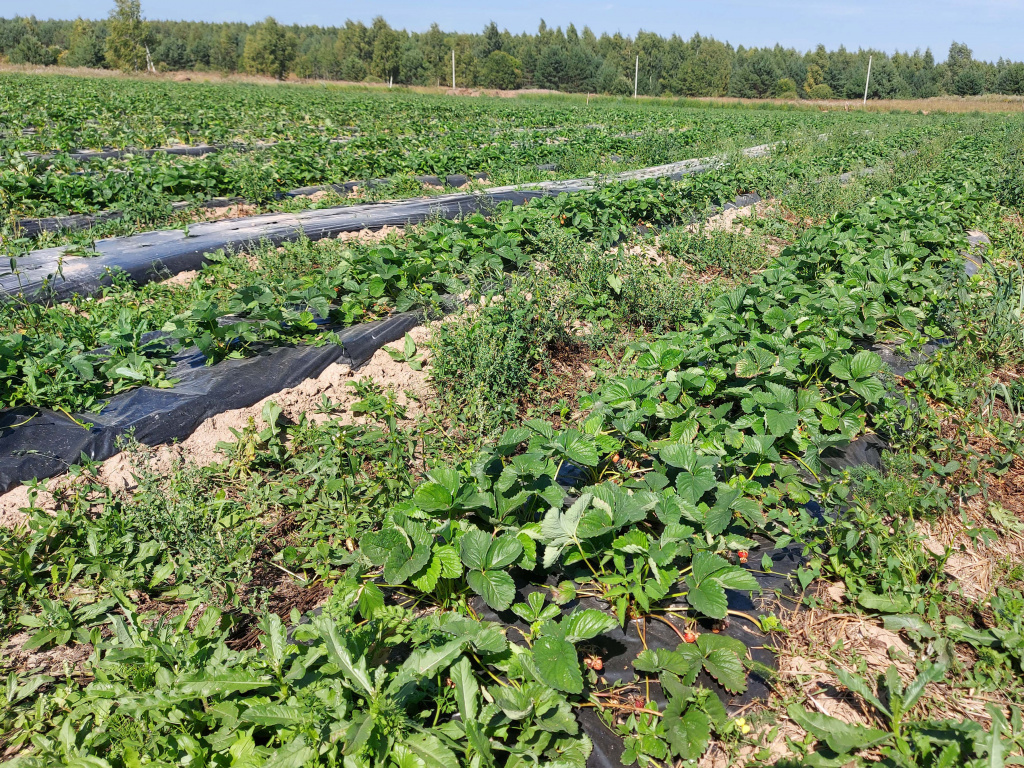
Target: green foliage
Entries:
(708, 250)
(699, 66)
(270, 50)
(491, 358)
(407, 354)
(820, 91)
(690, 451)
(500, 70)
(274, 702)
(385, 63)
(127, 36)
(905, 741)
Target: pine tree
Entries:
(500, 70)
(491, 40)
(84, 48)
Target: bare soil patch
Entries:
(234, 211)
(58, 662)
(732, 219)
(370, 235)
(182, 278)
(817, 642)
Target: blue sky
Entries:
(992, 28)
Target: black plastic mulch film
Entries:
(162, 415)
(198, 150)
(42, 443)
(619, 647)
(78, 221)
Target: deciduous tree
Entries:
(501, 71)
(270, 50)
(128, 37)
(387, 51)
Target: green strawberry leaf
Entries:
(585, 625)
(726, 667)
(557, 664)
(865, 363)
(503, 551)
(707, 598)
(495, 587)
(473, 547)
(688, 733)
(451, 565)
(433, 497)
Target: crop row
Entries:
(62, 113)
(459, 138)
(648, 508)
(49, 354)
(149, 192)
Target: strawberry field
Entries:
(717, 467)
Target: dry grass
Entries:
(988, 103)
(220, 77)
(817, 642)
(204, 77)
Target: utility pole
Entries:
(636, 75)
(453, 69)
(867, 81)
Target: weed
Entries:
(733, 254)
(497, 357)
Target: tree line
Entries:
(567, 60)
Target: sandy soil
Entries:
(411, 387)
(234, 211)
(369, 235)
(731, 220)
(182, 278)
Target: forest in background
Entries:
(569, 60)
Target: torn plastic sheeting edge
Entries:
(36, 282)
(156, 416)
